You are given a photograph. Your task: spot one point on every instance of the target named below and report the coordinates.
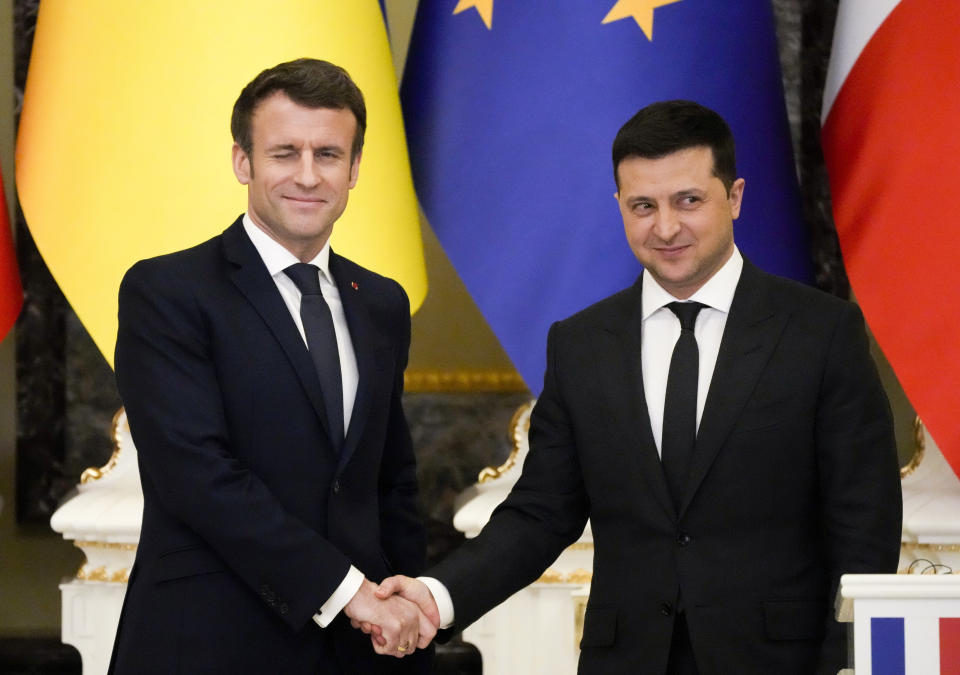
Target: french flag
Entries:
(915, 646)
(891, 140)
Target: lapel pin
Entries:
(353, 284)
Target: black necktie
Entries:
(680, 405)
(322, 343)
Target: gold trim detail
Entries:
(516, 433)
(116, 546)
(581, 546)
(551, 576)
(96, 574)
(919, 446)
(578, 576)
(94, 473)
(936, 548)
(100, 574)
(463, 381)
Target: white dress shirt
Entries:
(661, 329)
(277, 259)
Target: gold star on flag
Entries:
(483, 7)
(640, 11)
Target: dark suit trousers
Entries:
(681, 660)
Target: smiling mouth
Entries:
(306, 200)
(672, 250)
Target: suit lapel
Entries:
(749, 338)
(251, 278)
(364, 338)
(628, 401)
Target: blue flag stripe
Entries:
(887, 646)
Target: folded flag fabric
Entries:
(891, 105)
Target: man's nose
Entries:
(307, 174)
(667, 224)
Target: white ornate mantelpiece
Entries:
(538, 629)
(103, 520)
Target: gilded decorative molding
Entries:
(935, 548)
(517, 433)
(919, 446)
(110, 545)
(120, 576)
(578, 576)
(464, 381)
(101, 572)
(95, 574)
(551, 576)
(94, 473)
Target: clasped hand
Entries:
(400, 615)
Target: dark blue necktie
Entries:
(680, 404)
(322, 343)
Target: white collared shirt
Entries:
(661, 329)
(277, 259)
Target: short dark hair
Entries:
(668, 126)
(310, 82)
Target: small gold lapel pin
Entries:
(354, 285)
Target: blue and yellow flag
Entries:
(124, 144)
(511, 109)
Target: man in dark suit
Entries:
(720, 554)
(277, 480)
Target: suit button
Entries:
(666, 609)
(683, 538)
(336, 487)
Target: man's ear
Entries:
(736, 197)
(242, 168)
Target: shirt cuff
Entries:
(344, 594)
(442, 597)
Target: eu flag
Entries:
(511, 109)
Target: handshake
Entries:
(400, 615)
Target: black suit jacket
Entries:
(251, 520)
(794, 481)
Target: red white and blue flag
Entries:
(891, 140)
(920, 645)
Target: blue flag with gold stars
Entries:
(511, 109)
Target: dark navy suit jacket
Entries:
(251, 519)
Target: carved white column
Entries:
(103, 520)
